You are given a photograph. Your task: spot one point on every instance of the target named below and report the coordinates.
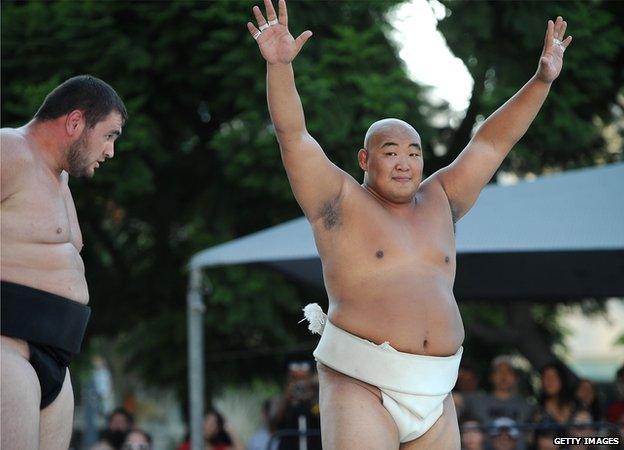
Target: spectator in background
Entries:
(118, 425)
(137, 440)
(466, 390)
(615, 410)
(504, 434)
(298, 407)
(218, 434)
(503, 400)
(261, 437)
(555, 399)
(586, 398)
(583, 419)
(467, 379)
(472, 437)
(544, 439)
(620, 431)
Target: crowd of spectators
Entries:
(508, 415)
(121, 434)
(497, 412)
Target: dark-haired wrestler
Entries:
(44, 291)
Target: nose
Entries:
(110, 151)
(403, 163)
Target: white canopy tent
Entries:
(558, 237)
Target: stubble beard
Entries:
(77, 164)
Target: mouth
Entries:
(402, 179)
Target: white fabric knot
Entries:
(314, 314)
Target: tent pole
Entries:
(195, 328)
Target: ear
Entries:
(363, 159)
(75, 123)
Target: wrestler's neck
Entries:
(403, 208)
(48, 142)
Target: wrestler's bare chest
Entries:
(390, 277)
(41, 238)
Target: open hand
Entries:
(276, 43)
(551, 60)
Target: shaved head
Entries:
(386, 128)
(392, 160)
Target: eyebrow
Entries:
(390, 143)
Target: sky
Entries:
(424, 50)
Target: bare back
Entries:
(41, 239)
(388, 277)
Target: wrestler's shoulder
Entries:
(16, 160)
(14, 148)
(433, 188)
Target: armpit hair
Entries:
(454, 217)
(330, 213)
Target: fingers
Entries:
(555, 34)
(548, 39)
(302, 39)
(557, 27)
(271, 16)
(255, 33)
(262, 23)
(562, 30)
(283, 13)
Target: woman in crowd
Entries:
(586, 398)
(555, 399)
(218, 435)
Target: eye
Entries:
(414, 154)
(390, 154)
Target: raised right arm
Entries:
(314, 179)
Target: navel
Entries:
(447, 259)
(379, 254)
(59, 230)
(425, 343)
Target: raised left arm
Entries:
(465, 177)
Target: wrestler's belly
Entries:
(415, 314)
(56, 268)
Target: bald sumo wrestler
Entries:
(390, 345)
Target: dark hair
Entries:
(468, 417)
(124, 412)
(222, 436)
(565, 395)
(95, 98)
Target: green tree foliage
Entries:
(198, 162)
(500, 43)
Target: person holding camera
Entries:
(296, 412)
